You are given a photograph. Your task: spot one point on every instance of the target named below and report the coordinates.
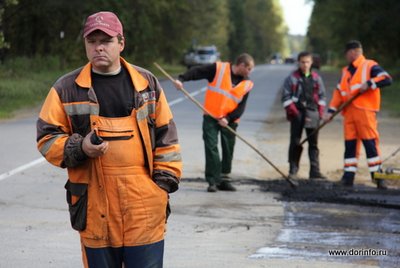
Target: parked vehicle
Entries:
(201, 55)
(275, 58)
(290, 60)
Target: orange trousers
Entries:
(361, 126)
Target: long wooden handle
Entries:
(198, 104)
(344, 105)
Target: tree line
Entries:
(154, 29)
(375, 23)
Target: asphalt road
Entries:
(249, 228)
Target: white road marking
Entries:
(197, 92)
(42, 159)
(21, 168)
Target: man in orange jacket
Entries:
(110, 125)
(360, 123)
(227, 92)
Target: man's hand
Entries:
(223, 122)
(327, 117)
(364, 87)
(92, 150)
(178, 84)
(291, 112)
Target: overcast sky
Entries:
(297, 13)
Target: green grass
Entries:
(24, 91)
(24, 83)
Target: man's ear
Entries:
(122, 44)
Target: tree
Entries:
(154, 29)
(3, 44)
(375, 23)
(257, 28)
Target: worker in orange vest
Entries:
(227, 92)
(360, 123)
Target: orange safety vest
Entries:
(350, 85)
(221, 96)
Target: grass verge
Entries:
(24, 83)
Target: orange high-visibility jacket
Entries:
(350, 85)
(71, 109)
(221, 96)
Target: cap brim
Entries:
(105, 30)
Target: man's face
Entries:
(103, 51)
(351, 55)
(305, 64)
(245, 70)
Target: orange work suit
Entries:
(136, 205)
(123, 194)
(360, 124)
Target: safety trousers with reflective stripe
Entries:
(361, 126)
(147, 256)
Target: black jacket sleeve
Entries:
(237, 113)
(199, 72)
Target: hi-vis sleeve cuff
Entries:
(331, 110)
(287, 103)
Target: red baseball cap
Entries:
(104, 21)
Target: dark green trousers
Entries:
(214, 165)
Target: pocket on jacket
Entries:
(77, 199)
(311, 118)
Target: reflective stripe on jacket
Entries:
(221, 96)
(350, 85)
(292, 89)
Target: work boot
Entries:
(317, 176)
(346, 182)
(212, 188)
(293, 168)
(381, 184)
(226, 186)
(347, 179)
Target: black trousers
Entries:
(146, 256)
(296, 130)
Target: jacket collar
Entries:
(84, 78)
(357, 62)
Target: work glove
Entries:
(91, 149)
(291, 111)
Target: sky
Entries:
(297, 14)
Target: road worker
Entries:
(109, 124)
(360, 123)
(227, 92)
(303, 97)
